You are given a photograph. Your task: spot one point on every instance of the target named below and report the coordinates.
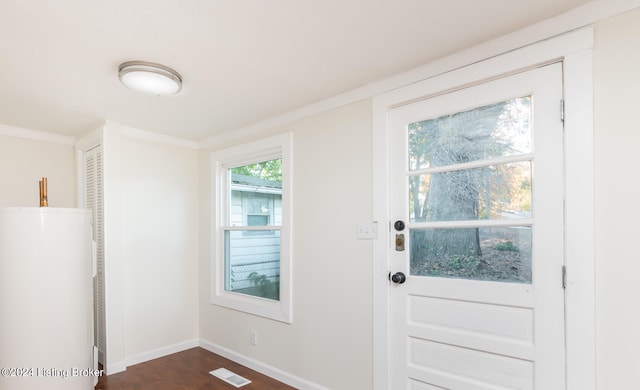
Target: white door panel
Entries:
(477, 178)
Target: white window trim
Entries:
(279, 146)
(574, 49)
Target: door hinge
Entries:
(564, 277)
(562, 110)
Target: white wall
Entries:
(23, 162)
(331, 334)
(617, 141)
(151, 243)
(159, 245)
(330, 339)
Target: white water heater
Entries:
(46, 299)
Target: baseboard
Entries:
(253, 364)
(262, 368)
(150, 355)
(160, 352)
(116, 368)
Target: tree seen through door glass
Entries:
(500, 129)
(487, 191)
(493, 192)
(252, 256)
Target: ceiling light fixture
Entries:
(149, 77)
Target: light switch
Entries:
(367, 230)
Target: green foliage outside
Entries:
(264, 287)
(506, 246)
(266, 170)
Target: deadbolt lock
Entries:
(400, 242)
(399, 225)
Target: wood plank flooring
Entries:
(186, 370)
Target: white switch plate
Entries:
(367, 230)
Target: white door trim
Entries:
(575, 51)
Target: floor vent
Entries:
(230, 377)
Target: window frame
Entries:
(279, 146)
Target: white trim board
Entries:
(260, 367)
(36, 135)
(277, 146)
(575, 50)
(160, 352)
(81, 142)
(151, 136)
(580, 296)
(117, 367)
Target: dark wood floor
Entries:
(185, 370)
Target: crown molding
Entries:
(36, 135)
(151, 136)
(575, 19)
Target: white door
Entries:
(476, 281)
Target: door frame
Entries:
(574, 50)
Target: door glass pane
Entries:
(495, 253)
(500, 129)
(252, 263)
(493, 192)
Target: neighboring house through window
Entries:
(251, 214)
(252, 257)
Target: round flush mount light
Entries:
(149, 77)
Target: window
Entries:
(251, 268)
(252, 242)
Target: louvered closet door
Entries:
(94, 202)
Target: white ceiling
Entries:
(242, 61)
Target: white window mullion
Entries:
(252, 228)
(473, 164)
(481, 223)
